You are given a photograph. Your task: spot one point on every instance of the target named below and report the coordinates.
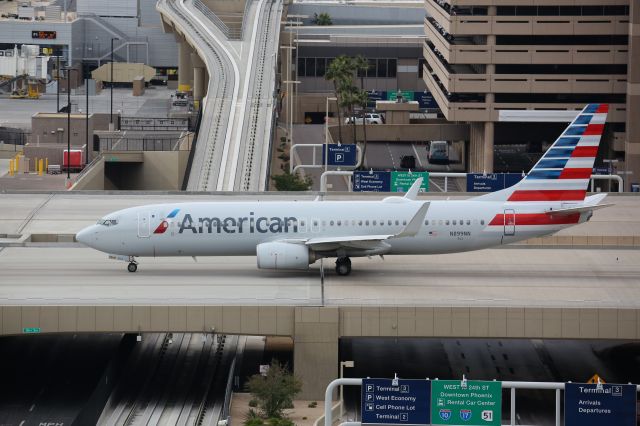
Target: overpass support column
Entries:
(185, 67)
(315, 349)
(198, 78)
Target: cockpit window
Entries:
(108, 222)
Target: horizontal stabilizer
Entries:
(590, 204)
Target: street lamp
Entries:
(326, 133)
(69, 71)
(111, 114)
(347, 364)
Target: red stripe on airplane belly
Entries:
(538, 219)
(549, 195)
(568, 173)
(585, 151)
(593, 129)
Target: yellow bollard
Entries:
(46, 164)
(40, 167)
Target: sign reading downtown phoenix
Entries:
(479, 403)
(406, 403)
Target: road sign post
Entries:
(454, 402)
(403, 403)
(603, 404)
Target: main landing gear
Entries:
(133, 265)
(343, 266)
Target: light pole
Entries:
(58, 83)
(69, 71)
(348, 364)
(111, 78)
(326, 133)
(86, 120)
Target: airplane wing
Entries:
(369, 241)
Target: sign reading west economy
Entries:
(340, 155)
(404, 404)
(490, 182)
(402, 181)
(586, 405)
(479, 403)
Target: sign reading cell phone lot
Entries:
(477, 403)
(590, 405)
(406, 403)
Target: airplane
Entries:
(291, 235)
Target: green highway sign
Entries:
(478, 403)
(30, 330)
(402, 181)
(406, 94)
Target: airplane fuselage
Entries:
(237, 228)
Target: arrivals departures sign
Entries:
(404, 404)
(588, 405)
(477, 403)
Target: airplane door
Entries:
(509, 222)
(143, 225)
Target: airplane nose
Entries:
(84, 235)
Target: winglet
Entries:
(414, 224)
(412, 193)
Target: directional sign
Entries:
(402, 181)
(371, 181)
(407, 95)
(479, 403)
(340, 155)
(425, 99)
(480, 182)
(586, 405)
(30, 330)
(407, 403)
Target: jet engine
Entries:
(279, 255)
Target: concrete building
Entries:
(487, 57)
(83, 33)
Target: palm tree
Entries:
(339, 72)
(361, 64)
(322, 19)
(349, 98)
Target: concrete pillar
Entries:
(481, 147)
(185, 67)
(198, 84)
(632, 140)
(315, 349)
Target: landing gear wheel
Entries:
(343, 266)
(132, 267)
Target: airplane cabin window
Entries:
(454, 221)
(397, 222)
(108, 222)
(359, 223)
(468, 222)
(315, 223)
(367, 223)
(374, 223)
(426, 222)
(404, 222)
(446, 222)
(331, 223)
(389, 223)
(302, 223)
(339, 222)
(482, 222)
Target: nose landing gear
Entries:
(132, 267)
(343, 266)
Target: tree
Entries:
(291, 182)
(349, 98)
(275, 391)
(322, 19)
(339, 72)
(362, 65)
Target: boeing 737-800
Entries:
(294, 234)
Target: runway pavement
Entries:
(511, 277)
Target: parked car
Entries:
(438, 152)
(371, 117)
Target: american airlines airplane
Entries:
(294, 234)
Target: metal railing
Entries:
(230, 33)
(554, 386)
(141, 144)
(155, 123)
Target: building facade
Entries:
(485, 58)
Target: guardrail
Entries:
(512, 385)
(230, 33)
(141, 144)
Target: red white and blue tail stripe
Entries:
(563, 172)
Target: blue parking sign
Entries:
(340, 154)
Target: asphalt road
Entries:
(512, 277)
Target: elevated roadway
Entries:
(583, 283)
(233, 145)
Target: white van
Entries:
(438, 152)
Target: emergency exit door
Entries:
(509, 222)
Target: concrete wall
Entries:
(404, 132)
(316, 330)
(43, 124)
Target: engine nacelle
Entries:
(278, 255)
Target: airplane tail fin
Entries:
(563, 172)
